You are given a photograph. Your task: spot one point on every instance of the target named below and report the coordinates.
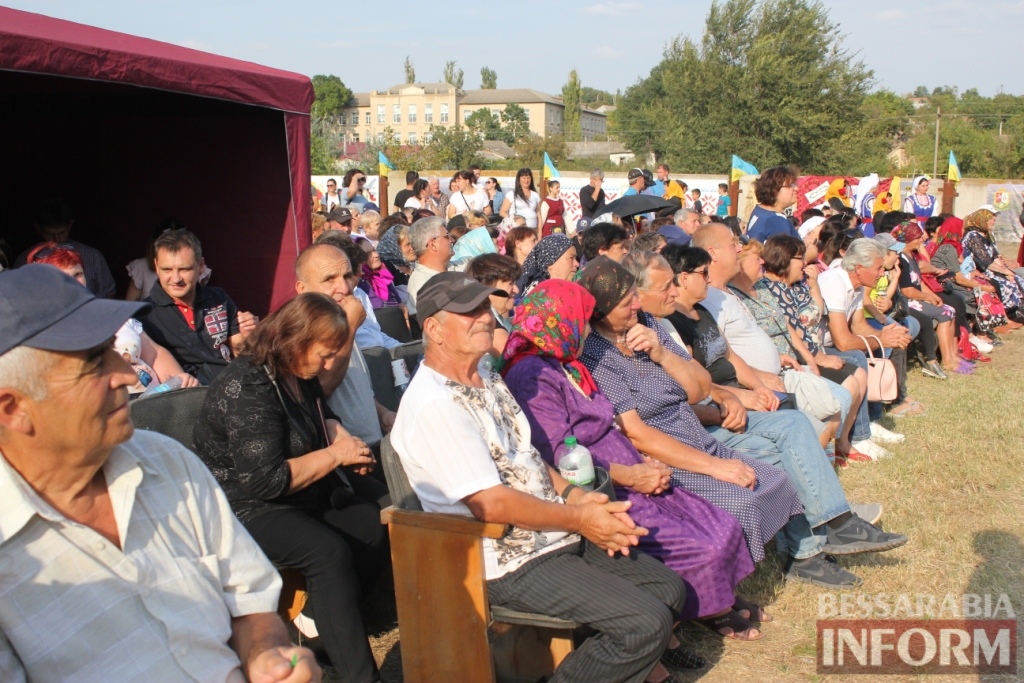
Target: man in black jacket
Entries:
(592, 196)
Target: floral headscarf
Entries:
(550, 323)
(907, 232)
(950, 232)
(978, 221)
(547, 251)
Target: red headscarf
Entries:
(950, 232)
(550, 322)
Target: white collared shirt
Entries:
(75, 607)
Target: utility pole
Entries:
(935, 159)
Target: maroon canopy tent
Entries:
(131, 131)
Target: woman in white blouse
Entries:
(418, 200)
(466, 196)
(524, 201)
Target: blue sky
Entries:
(611, 43)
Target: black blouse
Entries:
(249, 429)
(708, 344)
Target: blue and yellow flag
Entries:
(384, 163)
(549, 167)
(954, 169)
(740, 168)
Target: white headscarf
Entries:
(916, 182)
(865, 187)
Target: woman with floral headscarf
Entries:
(979, 243)
(919, 202)
(554, 257)
(978, 294)
(701, 542)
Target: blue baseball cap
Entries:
(582, 224)
(43, 308)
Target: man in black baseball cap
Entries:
(100, 520)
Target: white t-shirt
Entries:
(353, 401)
(412, 203)
(517, 206)
(840, 296)
(456, 440)
(741, 331)
(418, 278)
(468, 202)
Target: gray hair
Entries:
(681, 215)
(424, 230)
(862, 252)
(640, 263)
(24, 369)
(597, 173)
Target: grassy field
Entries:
(954, 487)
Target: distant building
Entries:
(918, 102)
(410, 109)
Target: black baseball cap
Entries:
(43, 308)
(453, 292)
(339, 214)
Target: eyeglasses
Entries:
(703, 273)
(362, 180)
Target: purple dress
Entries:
(640, 384)
(697, 540)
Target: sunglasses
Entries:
(703, 273)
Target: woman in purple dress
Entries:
(702, 543)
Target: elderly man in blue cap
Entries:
(119, 555)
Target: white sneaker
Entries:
(871, 449)
(982, 345)
(880, 434)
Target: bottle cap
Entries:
(570, 441)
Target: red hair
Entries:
(61, 256)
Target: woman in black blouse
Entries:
(288, 469)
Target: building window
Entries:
(428, 113)
(367, 118)
(412, 138)
(465, 115)
(426, 138)
(527, 114)
(380, 137)
(396, 113)
(355, 137)
(380, 113)
(496, 113)
(342, 119)
(412, 113)
(444, 113)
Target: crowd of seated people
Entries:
(719, 380)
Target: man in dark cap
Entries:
(465, 445)
(122, 559)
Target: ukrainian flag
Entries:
(740, 168)
(549, 167)
(954, 169)
(385, 164)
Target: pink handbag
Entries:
(882, 382)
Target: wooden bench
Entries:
(449, 632)
(174, 414)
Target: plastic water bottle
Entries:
(575, 463)
(170, 385)
(400, 372)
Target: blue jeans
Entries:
(861, 429)
(786, 440)
(910, 322)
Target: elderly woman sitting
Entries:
(651, 384)
(293, 475)
(554, 257)
(702, 543)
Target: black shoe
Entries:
(681, 658)
(821, 570)
(857, 536)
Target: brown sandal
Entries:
(731, 620)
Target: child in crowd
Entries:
(698, 206)
(724, 201)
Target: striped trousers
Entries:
(630, 601)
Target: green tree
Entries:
(920, 91)
(321, 161)
(410, 71)
(530, 150)
(451, 148)
(488, 78)
(485, 124)
(593, 97)
(331, 96)
(516, 123)
(572, 98)
(452, 75)
(768, 81)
